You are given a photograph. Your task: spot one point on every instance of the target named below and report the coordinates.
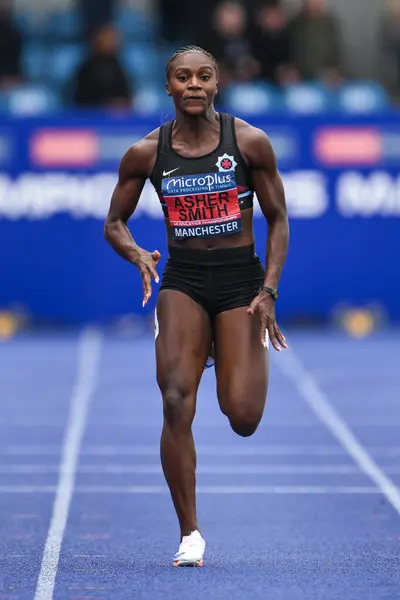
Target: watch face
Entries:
(273, 293)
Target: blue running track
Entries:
(306, 509)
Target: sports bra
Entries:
(203, 196)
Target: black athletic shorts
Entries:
(218, 279)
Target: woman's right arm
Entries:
(136, 166)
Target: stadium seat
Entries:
(65, 25)
(141, 61)
(251, 98)
(31, 23)
(308, 98)
(363, 97)
(4, 100)
(165, 51)
(55, 25)
(135, 25)
(32, 99)
(34, 60)
(63, 61)
(153, 100)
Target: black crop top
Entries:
(203, 196)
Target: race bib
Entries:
(202, 205)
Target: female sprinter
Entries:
(206, 167)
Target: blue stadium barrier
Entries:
(57, 175)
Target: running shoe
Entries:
(210, 361)
(191, 551)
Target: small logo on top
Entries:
(168, 173)
(226, 163)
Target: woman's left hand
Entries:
(263, 305)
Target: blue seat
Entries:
(141, 61)
(135, 25)
(308, 98)
(65, 25)
(363, 97)
(63, 62)
(32, 99)
(165, 51)
(4, 101)
(32, 23)
(34, 60)
(57, 24)
(153, 100)
(251, 98)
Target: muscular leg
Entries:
(182, 347)
(242, 367)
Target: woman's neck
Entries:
(197, 127)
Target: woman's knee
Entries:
(178, 406)
(245, 424)
(244, 412)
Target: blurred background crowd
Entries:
(82, 80)
(272, 53)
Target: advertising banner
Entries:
(57, 175)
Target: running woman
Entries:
(215, 295)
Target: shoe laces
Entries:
(190, 540)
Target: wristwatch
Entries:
(270, 291)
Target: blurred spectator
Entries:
(101, 81)
(227, 39)
(174, 17)
(390, 46)
(271, 43)
(184, 22)
(94, 14)
(315, 43)
(11, 44)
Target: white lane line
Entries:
(201, 489)
(149, 422)
(28, 489)
(153, 450)
(88, 361)
(245, 469)
(203, 450)
(232, 489)
(310, 391)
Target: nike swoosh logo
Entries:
(166, 173)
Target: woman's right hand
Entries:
(146, 263)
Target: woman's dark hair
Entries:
(186, 49)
